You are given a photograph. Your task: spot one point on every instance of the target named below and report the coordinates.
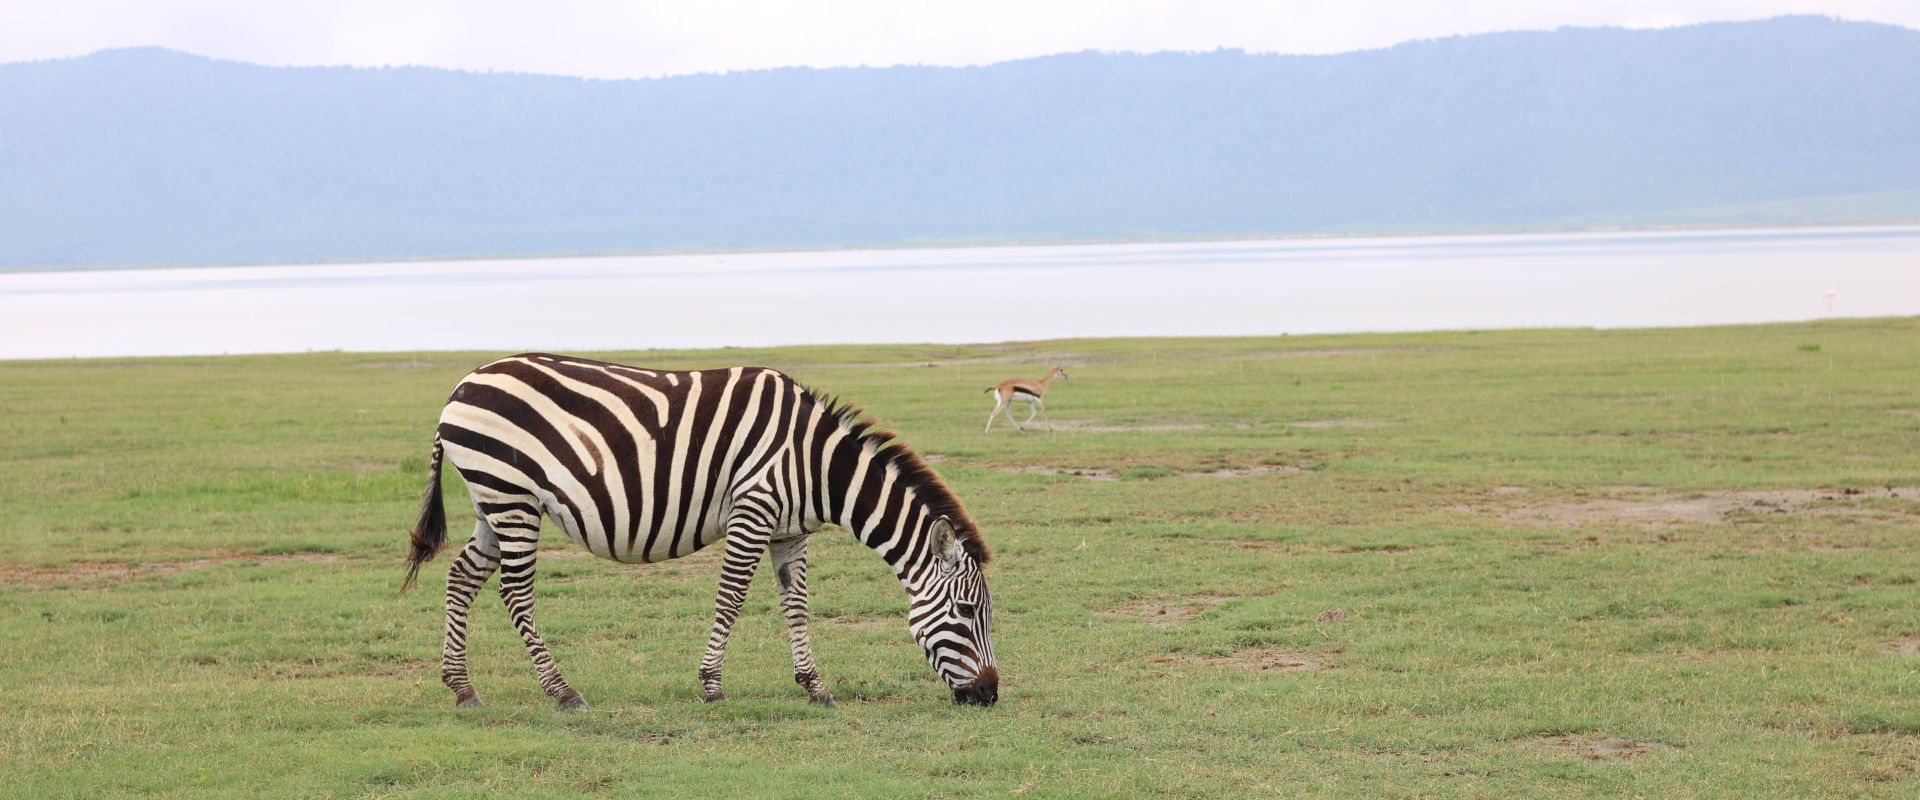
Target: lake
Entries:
(971, 294)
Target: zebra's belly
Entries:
(645, 533)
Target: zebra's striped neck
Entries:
(880, 491)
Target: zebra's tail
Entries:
(431, 532)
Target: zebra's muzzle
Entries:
(984, 691)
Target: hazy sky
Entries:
(645, 38)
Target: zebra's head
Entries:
(951, 616)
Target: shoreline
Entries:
(966, 245)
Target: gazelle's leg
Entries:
(998, 404)
(468, 572)
(1032, 409)
(1010, 420)
(518, 542)
(1043, 416)
(747, 535)
(790, 568)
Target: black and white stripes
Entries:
(643, 465)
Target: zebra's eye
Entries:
(964, 609)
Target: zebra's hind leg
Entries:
(517, 558)
(469, 571)
(747, 536)
(790, 568)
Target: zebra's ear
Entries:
(946, 546)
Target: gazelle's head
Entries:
(1060, 372)
(951, 615)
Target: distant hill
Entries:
(152, 156)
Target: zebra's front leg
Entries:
(790, 568)
(746, 543)
(516, 589)
(468, 572)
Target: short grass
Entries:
(1405, 590)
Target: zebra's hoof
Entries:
(716, 696)
(471, 702)
(824, 701)
(573, 702)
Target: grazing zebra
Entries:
(640, 465)
(1021, 390)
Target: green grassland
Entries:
(1544, 563)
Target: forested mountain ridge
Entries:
(151, 156)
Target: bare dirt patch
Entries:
(1095, 474)
(1167, 612)
(1089, 474)
(395, 669)
(1245, 472)
(860, 623)
(1257, 660)
(100, 574)
(1097, 426)
(1908, 645)
(1653, 508)
(1603, 748)
(328, 670)
(1153, 426)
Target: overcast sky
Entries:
(647, 38)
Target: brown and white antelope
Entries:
(1022, 390)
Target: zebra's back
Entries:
(633, 464)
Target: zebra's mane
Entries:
(912, 470)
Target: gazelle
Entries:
(1022, 390)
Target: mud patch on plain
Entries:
(1161, 426)
(1603, 748)
(1167, 612)
(860, 623)
(1246, 472)
(1255, 660)
(1089, 474)
(1653, 509)
(105, 574)
(1105, 475)
(284, 671)
(1908, 645)
(1096, 426)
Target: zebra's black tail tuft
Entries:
(431, 532)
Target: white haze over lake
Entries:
(970, 294)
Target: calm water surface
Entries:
(972, 294)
